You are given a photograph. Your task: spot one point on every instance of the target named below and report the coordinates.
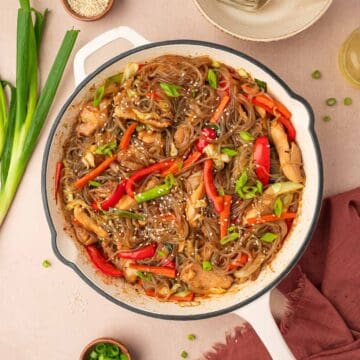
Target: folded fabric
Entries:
(323, 293)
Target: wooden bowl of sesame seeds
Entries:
(87, 10)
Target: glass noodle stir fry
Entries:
(181, 175)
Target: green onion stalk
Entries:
(23, 115)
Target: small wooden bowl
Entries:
(85, 353)
(77, 16)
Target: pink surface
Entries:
(51, 313)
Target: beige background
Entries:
(51, 313)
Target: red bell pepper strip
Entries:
(59, 168)
(192, 158)
(100, 262)
(139, 174)
(222, 105)
(114, 198)
(225, 216)
(95, 206)
(158, 270)
(210, 188)
(240, 260)
(262, 159)
(270, 105)
(290, 130)
(168, 262)
(145, 252)
(269, 218)
(126, 138)
(95, 172)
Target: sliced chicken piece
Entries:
(151, 137)
(129, 273)
(152, 119)
(193, 205)
(127, 203)
(289, 154)
(204, 282)
(93, 118)
(88, 223)
(85, 237)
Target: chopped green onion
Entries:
(278, 206)
(99, 94)
(347, 101)
(268, 237)
(94, 183)
(101, 348)
(117, 79)
(327, 118)
(160, 253)
(231, 229)
(112, 350)
(261, 84)
(94, 355)
(171, 90)
(221, 191)
(124, 357)
(259, 186)
(106, 149)
(316, 74)
(206, 265)
(331, 101)
(46, 264)
(228, 151)
(228, 238)
(191, 337)
(124, 213)
(241, 182)
(244, 191)
(212, 79)
(145, 277)
(156, 191)
(184, 354)
(245, 135)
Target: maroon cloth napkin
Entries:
(323, 291)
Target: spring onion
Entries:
(245, 135)
(212, 79)
(156, 191)
(143, 276)
(331, 101)
(27, 110)
(106, 149)
(245, 191)
(228, 151)
(106, 351)
(171, 90)
(261, 84)
(228, 238)
(94, 183)
(347, 101)
(46, 264)
(206, 265)
(278, 206)
(184, 354)
(124, 213)
(316, 74)
(268, 237)
(327, 118)
(191, 337)
(99, 94)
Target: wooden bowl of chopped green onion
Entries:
(105, 349)
(87, 10)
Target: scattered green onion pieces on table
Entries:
(156, 191)
(316, 74)
(46, 264)
(261, 84)
(228, 238)
(212, 79)
(228, 151)
(278, 206)
(268, 237)
(191, 337)
(327, 118)
(245, 135)
(347, 101)
(184, 354)
(206, 265)
(106, 351)
(331, 101)
(99, 94)
(171, 90)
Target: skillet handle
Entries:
(258, 314)
(121, 32)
